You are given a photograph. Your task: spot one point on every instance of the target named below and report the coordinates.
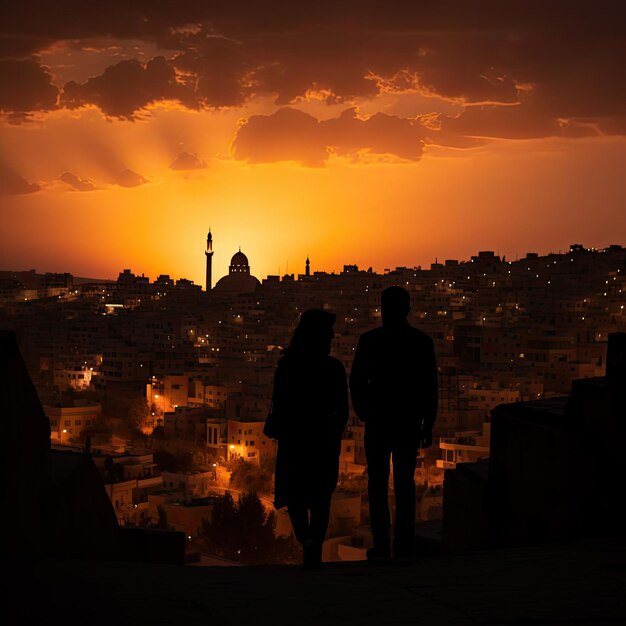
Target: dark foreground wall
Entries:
(555, 471)
(54, 503)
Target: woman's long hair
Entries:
(313, 334)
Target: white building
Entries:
(68, 422)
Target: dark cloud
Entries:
(518, 121)
(69, 19)
(11, 183)
(287, 135)
(378, 134)
(291, 135)
(125, 88)
(25, 86)
(558, 61)
(328, 60)
(214, 70)
(129, 178)
(210, 74)
(80, 184)
(509, 122)
(187, 161)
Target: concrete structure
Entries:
(61, 507)
(75, 378)
(182, 515)
(209, 261)
(464, 447)
(185, 423)
(554, 469)
(68, 422)
(166, 392)
(552, 585)
(216, 439)
(239, 280)
(129, 478)
(189, 484)
(247, 441)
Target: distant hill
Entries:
(79, 280)
(30, 278)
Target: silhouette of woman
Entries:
(309, 412)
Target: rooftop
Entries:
(576, 583)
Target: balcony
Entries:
(149, 481)
(441, 464)
(464, 443)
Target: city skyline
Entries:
(377, 136)
(165, 389)
(300, 271)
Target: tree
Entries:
(244, 532)
(250, 477)
(139, 416)
(257, 529)
(220, 533)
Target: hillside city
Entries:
(166, 383)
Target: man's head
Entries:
(395, 304)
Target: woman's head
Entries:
(314, 333)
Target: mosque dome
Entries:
(239, 279)
(239, 260)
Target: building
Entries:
(247, 441)
(209, 261)
(464, 447)
(184, 516)
(190, 484)
(68, 422)
(129, 478)
(76, 378)
(239, 280)
(164, 393)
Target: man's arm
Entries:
(431, 398)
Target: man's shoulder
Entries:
(381, 333)
(420, 334)
(410, 335)
(372, 334)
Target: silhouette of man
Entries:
(393, 386)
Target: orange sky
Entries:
(376, 142)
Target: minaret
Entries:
(209, 259)
(307, 271)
